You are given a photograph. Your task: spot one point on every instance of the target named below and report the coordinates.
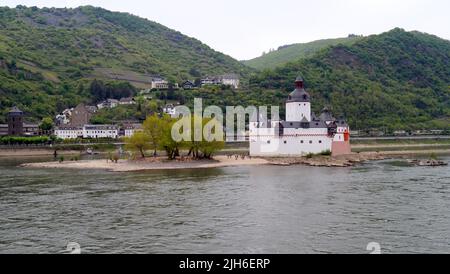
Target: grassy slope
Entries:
(294, 52)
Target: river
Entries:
(253, 209)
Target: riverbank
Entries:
(150, 164)
(161, 163)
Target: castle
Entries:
(302, 133)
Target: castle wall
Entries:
(341, 148)
(289, 145)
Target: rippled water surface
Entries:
(265, 209)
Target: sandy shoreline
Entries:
(222, 161)
(128, 165)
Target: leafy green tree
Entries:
(154, 128)
(47, 124)
(138, 142)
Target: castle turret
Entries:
(298, 105)
(15, 122)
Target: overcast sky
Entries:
(246, 28)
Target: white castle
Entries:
(302, 133)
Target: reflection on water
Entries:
(266, 209)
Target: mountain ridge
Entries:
(293, 52)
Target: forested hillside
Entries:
(397, 79)
(51, 55)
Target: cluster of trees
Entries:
(114, 90)
(138, 111)
(157, 135)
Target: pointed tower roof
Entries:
(299, 94)
(15, 110)
(326, 115)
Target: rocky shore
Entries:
(328, 161)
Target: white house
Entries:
(87, 131)
(130, 129)
(69, 132)
(230, 80)
(108, 103)
(171, 110)
(302, 132)
(100, 131)
(226, 79)
(159, 83)
(127, 101)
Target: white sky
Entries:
(244, 29)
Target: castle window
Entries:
(320, 141)
(310, 142)
(301, 142)
(268, 141)
(285, 142)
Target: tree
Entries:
(205, 148)
(139, 141)
(167, 143)
(46, 124)
(153, 128)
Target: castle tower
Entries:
(15, 122)
(298, 105)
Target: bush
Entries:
(326, 153)
(61, 159)
(13, 140)
(116, 158)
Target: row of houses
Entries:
(112, 103)
(226, 79)
(97, 131)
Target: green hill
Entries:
(395, 80)
(49, 56)
(285, 54)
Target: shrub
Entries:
(116, 158)
(61, 159)
(326, 153)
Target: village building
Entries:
(100, 131)
(127, 101)
(226, 79)
(81, 115)
(188, 85)
(209, 81)
(3, 129)
(159, 83)
(301, 133)
(87, 132)
(108, 103)
(170, 110)
(62, 119)
(69, 132)
(230, 80)
(130, 129)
